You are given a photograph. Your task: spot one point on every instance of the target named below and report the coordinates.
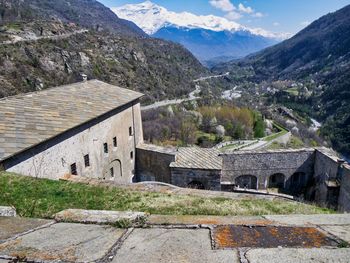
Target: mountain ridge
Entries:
(207, 37)
(36, 53)
(318, 57)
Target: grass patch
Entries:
(43, 198)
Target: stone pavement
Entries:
(187, 239)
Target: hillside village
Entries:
(119, 147)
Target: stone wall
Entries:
(209, 179)
(325, 179)
(296, 165)
(344, 194)
(53, 159)
(153, 163)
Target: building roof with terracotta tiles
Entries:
(29, 119)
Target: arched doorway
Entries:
(247, 181)
(276, 181)
(196, 185)
(113, 171)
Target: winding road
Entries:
(191, 96)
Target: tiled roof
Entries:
(198, 158)
(159, 149)
(29, 119)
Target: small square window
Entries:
(130, 131)
(131, 155)
(87, 160)
(73, 169)
(105, 147)
(112, 172)
(115, 143)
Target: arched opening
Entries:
(247, 181)
(276, 181)
(113, 171)
(196, 185)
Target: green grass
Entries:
(294, 143)
(293, 91)
(43, 198)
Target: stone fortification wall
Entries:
(344, 194)
(153, 163)
(264, 164)
(208, 179)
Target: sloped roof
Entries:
(198, 158)
(29, 119)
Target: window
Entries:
(105, 147)
(115, 143)
(112, 171)
(131, 155)
(87, 160)
(73, 169)
(130, 131)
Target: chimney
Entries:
(84, 77)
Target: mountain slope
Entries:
(37, 54)
(207, 37)
(319, 58)
(86, 13)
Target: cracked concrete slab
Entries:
(98, 216)
(326, 219)
(342, 232)
(290, 255)
(12, 226)
(170, 246)
(64, 242)
(206, 220)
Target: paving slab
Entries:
(290, 255)
(342, 232)
(206, 220)
(7, 211)
(64, 242)
(98, 216)
(230, 236)
(171, 245)
(325, 219)
(12, 226)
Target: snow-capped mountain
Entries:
(207, 37)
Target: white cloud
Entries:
(244, 9)
(224, 5)
(258, 15)
(305, 23)
(233, 15)
(276, 24)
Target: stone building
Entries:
(185, 167)
(285, 169)
(197, 168)
(316, 174)
(89, 128)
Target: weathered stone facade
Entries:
(256, 170)
(344, 193)
(196, 178)
(153, 163)
(315, 174)
(100, 146)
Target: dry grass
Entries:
(43, 198)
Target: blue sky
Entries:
(273, 15)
